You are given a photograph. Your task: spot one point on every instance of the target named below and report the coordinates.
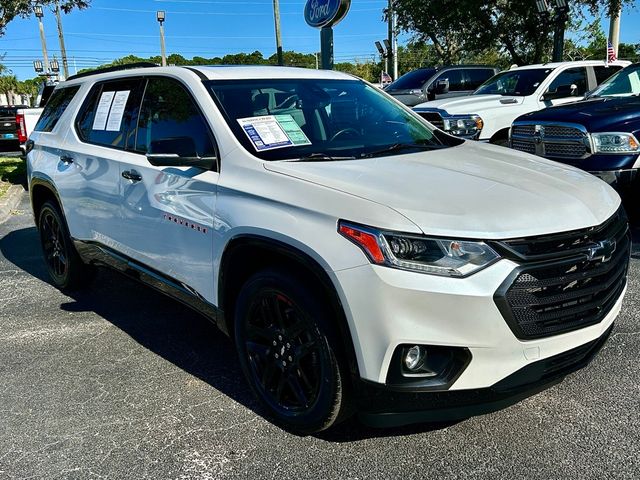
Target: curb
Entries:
(10, 201)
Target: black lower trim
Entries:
(95, 253)
(380, 407)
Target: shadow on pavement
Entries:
(171, 330)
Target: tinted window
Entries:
(602, 72)
(411, 80)
(8, 111)
(170, 122)
(572, 76)
(515, 82)
(622, 84)
(456, 82)
(57, 104)
(477, 76)
(107, 116)
(291, 119)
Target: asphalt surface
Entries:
(121, 382)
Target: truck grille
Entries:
(432, 117)
(551, 141)
(567, 281)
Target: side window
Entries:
(171, 122)
(456, 83)
(602, 72)
(572, 76)
(108, 115)
(55, 107)
(476, 77)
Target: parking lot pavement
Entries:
(120, 382)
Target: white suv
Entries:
(361, 260)
(488, 113)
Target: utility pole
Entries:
(394, 45)
(614, 29)
(276, 17)
(161, 17)
(40, 13)
(390, 36)
(63, 50)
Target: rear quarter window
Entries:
(602, 72)
(55, 107)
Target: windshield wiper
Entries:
(402, 146)
(320, 157)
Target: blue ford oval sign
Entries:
(325, 13)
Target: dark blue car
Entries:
(599, 134)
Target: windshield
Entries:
(412, 80)
(622, 84)
(514, 82)
(298, 118)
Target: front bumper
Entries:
(378, 407)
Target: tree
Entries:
(458, 29)
(9, 9)
(30, 88)
(8, 86)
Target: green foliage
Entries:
(10, 9)
(8, 85)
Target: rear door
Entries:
(89, 169)
(167, 212)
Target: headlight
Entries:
(463, 125)
(435, 256)
(615, 143)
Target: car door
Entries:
(89, 169)
(560, 91)
(167, 212)
(455, 84)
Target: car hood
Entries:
(596, 114)
(471, 103)
(469, 191)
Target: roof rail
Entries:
(116, 68)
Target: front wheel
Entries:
(65, 268)
(284, 339)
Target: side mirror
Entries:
(442, 86)
(177, 152)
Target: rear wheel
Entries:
(65, 268)
(286, 349)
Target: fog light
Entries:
(414, 358)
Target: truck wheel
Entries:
(287, 352)
(66, 269)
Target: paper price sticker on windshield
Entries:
(273, 131)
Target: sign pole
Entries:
(326, 47)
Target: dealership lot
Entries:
(122, 382)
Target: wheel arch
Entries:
(246, 254)
(42, 190)
(502, 134)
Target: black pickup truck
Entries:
(599, 134)
(8, 127)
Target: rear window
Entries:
(55, 107)
(8, 112)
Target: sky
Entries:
(111, 29)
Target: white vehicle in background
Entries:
(487, 114)
(27, 118)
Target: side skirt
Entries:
(94, 253)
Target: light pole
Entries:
(39, 13)
(276, 18)
(161, 16)
(63, 50)
(560, 18)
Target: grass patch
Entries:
(13, 171)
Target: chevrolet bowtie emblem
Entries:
(602, 251)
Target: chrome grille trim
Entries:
(551, 139)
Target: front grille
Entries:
(434, 118)
(567, 281)
(551, 141)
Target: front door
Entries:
(167, 212)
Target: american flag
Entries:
(611, 53)
(385, 78)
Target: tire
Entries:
(65, 268)
(287, 352)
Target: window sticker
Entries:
(273, 131)
(102, 112)
(117, 111)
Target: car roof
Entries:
(622, 63)
(215, 72)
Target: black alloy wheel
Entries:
(285, 355)
(66, 269)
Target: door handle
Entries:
(66, 159)
(132, 175)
